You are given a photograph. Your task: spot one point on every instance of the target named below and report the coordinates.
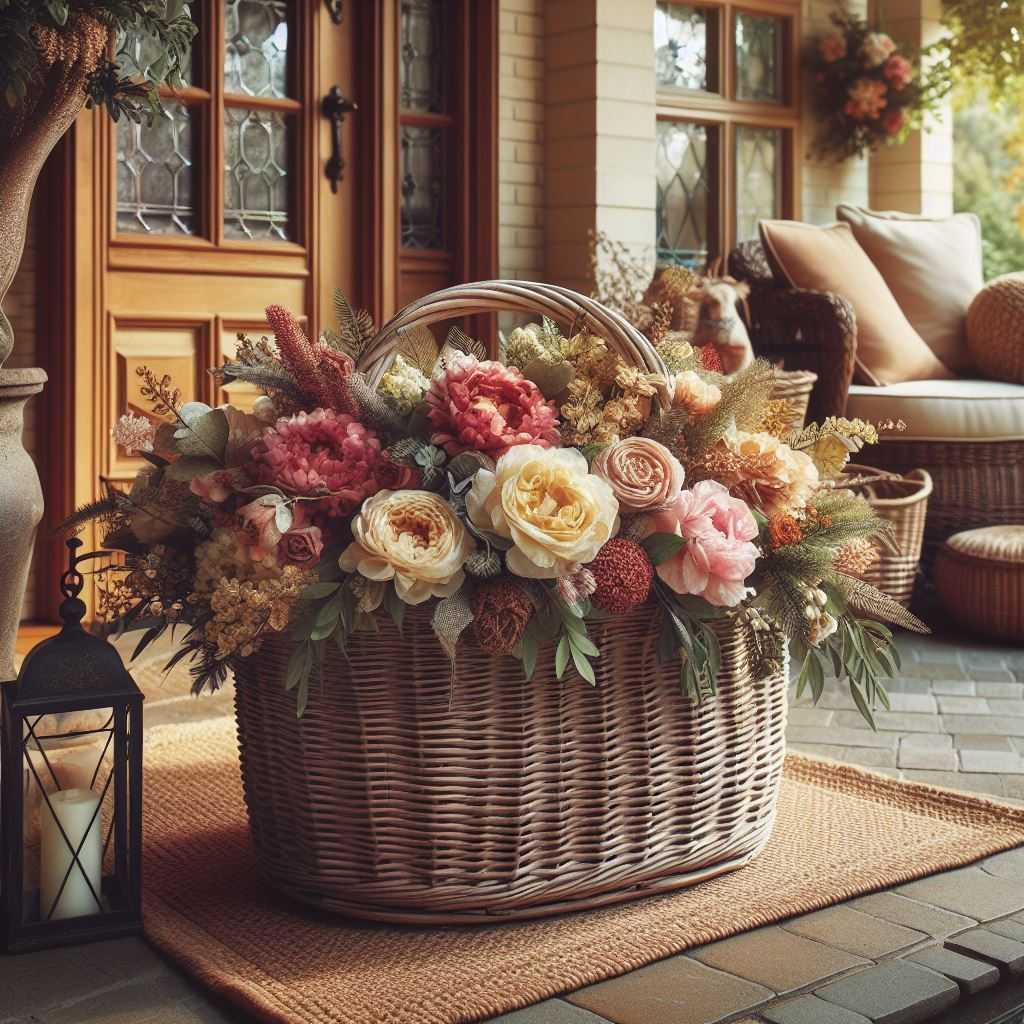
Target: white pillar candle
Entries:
(77, 812)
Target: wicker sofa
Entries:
(968, 434)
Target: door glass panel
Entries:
(422, 187)
(422, 56)
(684, 156)
(759, 57)
(156, 174)
(256, 157)
(758, 178)
(684, 47)
(256, 48)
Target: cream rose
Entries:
(412, 537)
(546, 501)
(695, 395)
(643, 474)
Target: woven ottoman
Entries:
(995, 329)
(980, 578)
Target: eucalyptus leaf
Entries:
(529, 648)
(551, 378)
(190, 466)
(316, 591)
(660, 547)
(585, 669)
(561, 657)
(206, 435)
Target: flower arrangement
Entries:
(517, 499)
(868, 91)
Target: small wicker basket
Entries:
(903, 501)
(406, 795)
(794, 388)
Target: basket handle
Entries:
(560, 304)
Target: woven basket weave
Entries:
(995, 329)
(794, 387)
(903, 501)
(404, 795)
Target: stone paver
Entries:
(1006, 865)
(1006, 707)
(938, 759)
(923, 703)
(810, 716)
(892, 721)
(954, 687)
(927, 740)
(675, 991)
(809, 1009)
(1006, 954)
(968, 891)
(1001, 691)
(998, 762)
(854, 931)
(866, 757)
(776, 958)
(1008, 928)
(972, 741)
(970, 974)
(552, 1011)
(992, 725)
(912, 914)
(963, 706)
(896, 992)
(842, 737)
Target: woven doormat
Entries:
(840, 832)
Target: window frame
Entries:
(722, 110)
(208, 250)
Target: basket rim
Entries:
(921, 478)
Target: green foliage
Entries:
(122, 86)
(660, 547)
(687, 634)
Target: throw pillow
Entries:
(933, 267)
(889, 350)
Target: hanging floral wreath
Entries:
(867, 89)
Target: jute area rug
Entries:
(840, 832)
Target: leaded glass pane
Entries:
(758, 178)
(256, 184)
(423, 187)
(256, 48)
(155, 173)
(682, 37)
(423, 55)
(683, 192)
(759, 57)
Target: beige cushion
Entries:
(997, 543)
(932, 267)
(889, 350)
(944, 410)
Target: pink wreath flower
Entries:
(898, 72)
(488, 407)
(321, 453)
(718, 554)
(893, 122)
(867, 99)
(832, 47)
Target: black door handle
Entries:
(334, 106)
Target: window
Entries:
(728, 124)
(240, 109)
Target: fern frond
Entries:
(870, 600)
(90, 511)
(273, 380)
(744, 402)
(781, 599)
(457, 338)
(419, 347)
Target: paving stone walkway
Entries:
(947, 949)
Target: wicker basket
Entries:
(794, 388)
(903, 501)
(995, 329)
(406, 795)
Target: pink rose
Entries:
(301, 546)
(893, 122)
(719, 554)
(832, 47)
(642, 473)
(877, 49)
(898, 71)
(258, 522)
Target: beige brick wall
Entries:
(521, 140)
(20, 306)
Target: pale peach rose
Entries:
(877, 49)
(696, 395)
(832, 47)
(261, 525)
(413, 538)
(644, 475)
(547, 502)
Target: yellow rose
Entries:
(546, 501)
(412, 537)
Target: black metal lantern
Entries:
(70, 788)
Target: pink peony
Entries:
(832, 47)
(719, 553)
(893, 122)
(898, 71)
(321, 453)
(867, 99)
(488, 407)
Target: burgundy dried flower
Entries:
(623, 574)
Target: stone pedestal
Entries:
(21, 506)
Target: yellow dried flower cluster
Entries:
(523, 346)
(244, 609)
(678, 353)
(778, 420)
(224, 556)
(405, 383)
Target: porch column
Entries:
(916, 177)
(599, 131)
